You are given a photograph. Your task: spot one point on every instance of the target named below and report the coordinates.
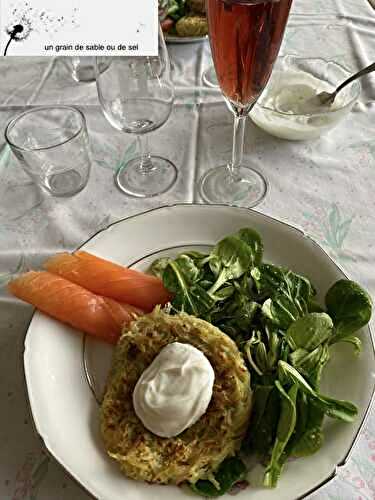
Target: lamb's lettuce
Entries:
(284, 336)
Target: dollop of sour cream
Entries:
(174, 391)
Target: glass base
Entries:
(248, 189)
(66, 183)
(209, 77)
(134, 181)
(84, 69)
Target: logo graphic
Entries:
(78, 27)
(24, 19)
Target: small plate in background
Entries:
(185, 39)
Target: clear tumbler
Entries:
(52, 145)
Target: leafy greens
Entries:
(285, 337)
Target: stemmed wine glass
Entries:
(136, 95)
(245, 38)
(209, 77)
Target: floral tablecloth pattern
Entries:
(325, 187)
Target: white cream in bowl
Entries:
(289, 107)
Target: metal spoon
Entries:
(329, 97)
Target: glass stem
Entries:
(146, 165)
(238, 144)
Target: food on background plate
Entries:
(111, 280)
(184, 18)
(191, 25)
(197, 452)
(69, 303)
(198, 6)
(257, 325)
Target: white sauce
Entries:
(297, 99)
(174, 391)
(293, 93)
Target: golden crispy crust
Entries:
(199, 450)
(192, 25)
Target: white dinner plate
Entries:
(56, 359)
(185, 39)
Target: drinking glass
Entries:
(136, 95)
(209, 77)
(245, 38)
(83, 68)
(52, 145)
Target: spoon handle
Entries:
(363, 71)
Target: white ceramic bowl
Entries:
(297, 127)
(63, 398)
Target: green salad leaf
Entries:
(310, 442)
(285, 428)
(264, 421)
(289, 301)
(308, 436)
(176, 9)
(260, 399)
(285, 336)
(269, 279)
(230, 471)
(335, 408)
(311, 364)
(355, 341)
(158, 266)
(316, 370)
(236, 315)
(306, 361)
(233, 258)
(254, 242)
(180, 278)
(309, 331)
(349, 306)
(313, 306)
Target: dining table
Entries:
(325, 186)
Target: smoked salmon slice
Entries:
(110, 280)
(69, 303)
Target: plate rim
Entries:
(302, 233)
(183, 40)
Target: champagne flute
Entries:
(245, 38)
(209, 77)
(136, 94)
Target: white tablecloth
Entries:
(324, 186)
